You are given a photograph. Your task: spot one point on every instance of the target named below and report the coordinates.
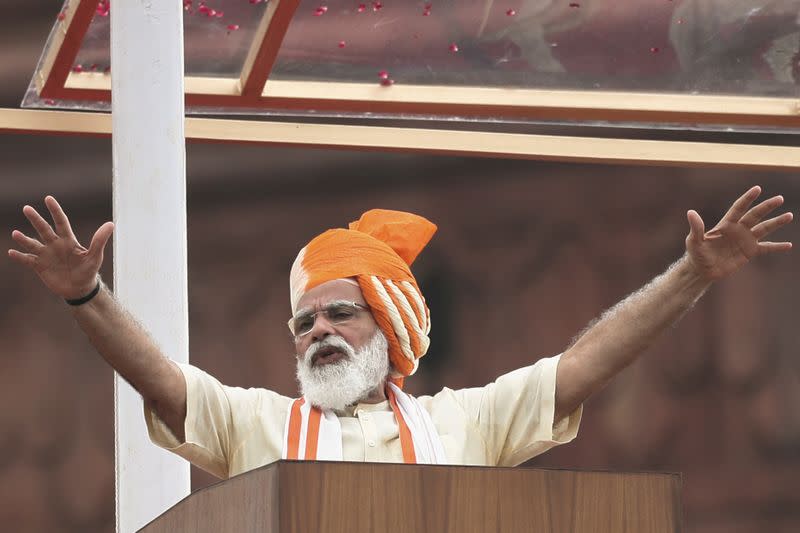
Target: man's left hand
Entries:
(737, 238)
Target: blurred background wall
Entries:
(526, 255)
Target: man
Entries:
(360, 325)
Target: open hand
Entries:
(737, 238)
(65, 267)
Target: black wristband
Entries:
(81, 301)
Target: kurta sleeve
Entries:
(515, 414)
(217, 417)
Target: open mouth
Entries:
(326, 355)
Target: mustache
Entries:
(334, 341)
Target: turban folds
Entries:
(377, 251)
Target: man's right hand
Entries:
(70, 271)
(65, 267)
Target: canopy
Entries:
(705, 63)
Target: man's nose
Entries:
(322, 328)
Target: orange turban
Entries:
(377, 250)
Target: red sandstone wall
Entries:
(526, 255)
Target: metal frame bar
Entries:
(265, 47)
(416, 140)
(61, 54)
(482, 101)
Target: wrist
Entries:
(693, 275)
(86, 295)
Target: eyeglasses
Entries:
(336, 313)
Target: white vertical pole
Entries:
(150, 272)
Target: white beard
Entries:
(345, 382)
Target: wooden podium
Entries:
(328, 497)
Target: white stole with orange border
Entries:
(315, 434)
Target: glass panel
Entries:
(727, 47)
(743, 47)
(217, 36)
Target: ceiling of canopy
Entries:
(698, 62)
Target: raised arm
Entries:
(70, 271)
(615, 340)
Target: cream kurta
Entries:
(230, 430)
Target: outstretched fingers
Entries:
(46, 233)
(28, 260)
(754, 215)
(769, 247)
(696, 226)
(27, 243)
(763, 229)
(741, 205)
(59, 217)
(100, 239)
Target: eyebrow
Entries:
(310, 310)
